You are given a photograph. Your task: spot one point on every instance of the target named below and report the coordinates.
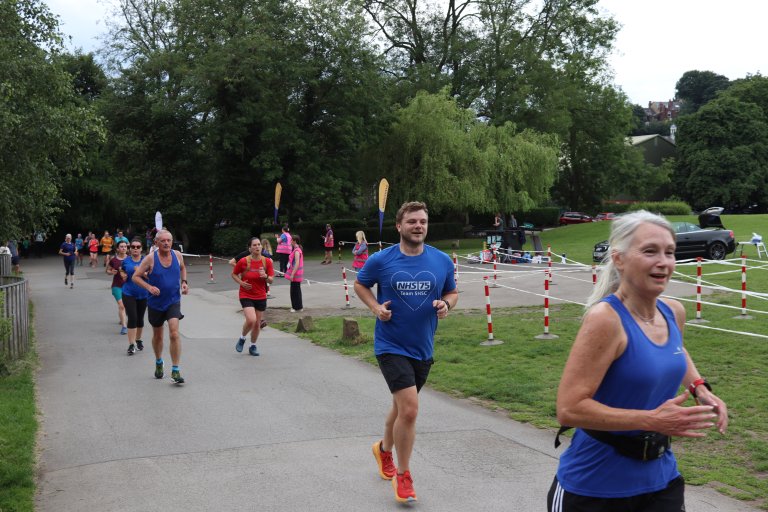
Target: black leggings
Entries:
(135, 309)
(296, 302)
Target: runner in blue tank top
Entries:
(164, 269)
(416, 288)
(620, 384)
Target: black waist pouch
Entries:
(645, 446)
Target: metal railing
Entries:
(14, 292)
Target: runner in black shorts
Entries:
(416, 288)
(252, 273)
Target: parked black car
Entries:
(709, 239)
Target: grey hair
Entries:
(622, 233)
(160, 232)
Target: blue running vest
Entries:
(643, 377)
(168, 280)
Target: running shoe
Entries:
(240, 344)
(159, 370)
(123, 330)
(263, 324)
(65, 282)
(71, 285)
(403, 486)
(131, 349)
(253, 350)
(139, 345)
(387, 469)
(176, 377)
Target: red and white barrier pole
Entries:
(698, 319)
(346, 287)
(549, 263)
(594, 275)
(379, 244)
(210, 266)
(743, 315)
(340, 244)
(495, 258)
(698, 288)
(546, 335)
(491, 340)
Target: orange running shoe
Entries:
(403, 485)
(387, 469)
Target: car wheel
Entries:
(716, 251)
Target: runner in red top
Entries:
(253, 273)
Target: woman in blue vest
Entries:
(620, 385)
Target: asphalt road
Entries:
(290, 430)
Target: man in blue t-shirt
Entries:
(415, 288)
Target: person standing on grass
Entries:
(113, 269)
(295, 274)
(164, 276)
(253, 273)
(415, 288)
(69, 252)
(134, 297)
(620, 384)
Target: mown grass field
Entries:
(521, 376)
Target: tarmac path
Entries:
(290, 430)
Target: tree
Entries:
(723, 148)
(696, 88)
(44, 130)
(440, 153)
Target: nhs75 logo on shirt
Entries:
(413, 287)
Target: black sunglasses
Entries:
(135, 247)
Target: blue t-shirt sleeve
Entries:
(367, 276)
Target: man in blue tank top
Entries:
(164, 276)
(415, 288)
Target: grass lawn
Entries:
(521, 376)
(18, 426)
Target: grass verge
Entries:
(521, 377)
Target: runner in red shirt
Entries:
(253, 273)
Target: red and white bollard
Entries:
(549, 263)
(340, 244)
(546, 335)
(743, 315)
(594, 275)
(491, 340)
(495, 259)
(698, 319)
(379, 244)
(210, 266)
(346, 287)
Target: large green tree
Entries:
(438, 152)
(696, 88)
(44, 129)
(723, 148)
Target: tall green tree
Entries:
(43, 127)
(696, 88)
(723, 148)
(438, 152)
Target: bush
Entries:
(663, 207)
(230, 241)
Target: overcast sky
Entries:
(658, 42)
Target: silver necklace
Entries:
(646, 321)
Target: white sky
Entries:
(659, 40)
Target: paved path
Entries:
(288, 431)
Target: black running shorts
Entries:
(157, 318)
(402, 372)
(260, 305)
(669, 499)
